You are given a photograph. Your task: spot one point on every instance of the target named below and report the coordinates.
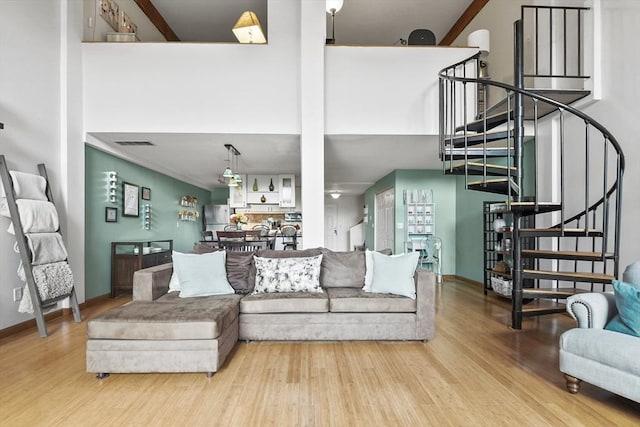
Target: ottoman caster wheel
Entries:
(210, 374)
(102, 375)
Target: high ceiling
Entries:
(352, 163)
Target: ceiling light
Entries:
(335, 195)
(233, 182)
(248, 29)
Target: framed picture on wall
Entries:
(111, 214)
(146, 193)
(130, 202)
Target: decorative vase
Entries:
(238, 226)
(255, 184)
(263, 199)
(271, 187)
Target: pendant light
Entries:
(228, 173)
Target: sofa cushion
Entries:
(168, 318)
(285, 302)
(342, 269)
(202, 275)
(627, 321)
(392, 274)
(350, 300)
(287, 274)
(598, 345)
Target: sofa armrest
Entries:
(593, 309)
(152, 282)
(425, 303)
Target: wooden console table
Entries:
(128, 257)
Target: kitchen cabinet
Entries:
(238, 195)
(287, 186)
(262, 189)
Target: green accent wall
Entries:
(165, 195)
(469, 230)
(444, 195)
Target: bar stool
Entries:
(289, 237)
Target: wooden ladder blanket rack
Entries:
(39, 305)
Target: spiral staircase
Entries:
(546, 158)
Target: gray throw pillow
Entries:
(200, 248)
(241, 271)
(342, 269)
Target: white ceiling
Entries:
(352, 163)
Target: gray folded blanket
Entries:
(52, 280)
(46, 248)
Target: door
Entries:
(331, 227)
(384, 220)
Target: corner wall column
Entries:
(312, 39)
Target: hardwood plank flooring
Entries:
(475, 372)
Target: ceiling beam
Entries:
(474, 8)
(156, 19)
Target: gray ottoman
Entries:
(166, 335)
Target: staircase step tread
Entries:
(540, 253)
(477, 138)
(565, 96)
(561, 275)
(494, 185)
(529, 207)
(554, 232)
(476, 153)
(492, 121)
(554, 291)
(540, 307)
(476, 168)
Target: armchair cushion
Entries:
(628, 303)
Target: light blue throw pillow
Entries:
(393, 274)
(202, 274)
(632, 273)
(628, 303)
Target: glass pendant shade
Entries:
(238, 179)
(228, 173)
(233, 182)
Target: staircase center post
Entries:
(518, 105)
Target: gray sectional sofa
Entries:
(160, 332)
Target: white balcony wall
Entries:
(385, 90)
(182, 87)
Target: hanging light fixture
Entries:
(248, 29)
(228, 173)
(333, 7)
(335, 194)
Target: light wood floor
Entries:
(476, 372)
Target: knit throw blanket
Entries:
(52, 280)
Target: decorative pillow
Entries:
(202, 275)
(368, 275)
(342, 269)
(200, 248)
(393, 274)
(628, 303)
(287, 274)
(241, 272)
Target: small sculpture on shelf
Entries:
(271, 187)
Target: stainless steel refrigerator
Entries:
(215, 217)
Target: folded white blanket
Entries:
(52, 280)
(25, 186)
(37, 216)
(46, 248)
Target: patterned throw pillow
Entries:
(287, 274)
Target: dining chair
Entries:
(289, 237)
(230, 227)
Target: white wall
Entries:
(387, 91)
(349, 213)
(177, 87)
(37, 49)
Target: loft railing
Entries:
(556, 34)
